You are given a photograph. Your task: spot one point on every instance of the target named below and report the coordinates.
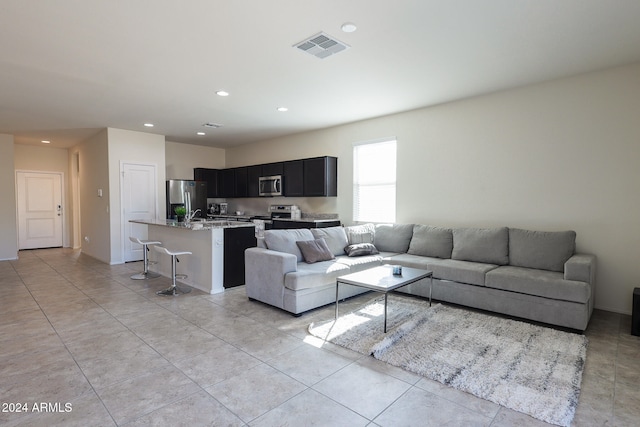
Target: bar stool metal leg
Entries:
(146, 274)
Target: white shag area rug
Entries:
(531, 369)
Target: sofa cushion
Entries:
(544, 250)
(314, 275)
(549, 284)
(360, 233)
(487, 245)
(360, 263)
(393, 237)
(408, 260)
(431, 241)
(315, 250)
(360, 249)
(285, 240)
(335, 237)
(472, 273)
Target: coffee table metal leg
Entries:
(430, 288)
(337, 283)
(385, 312)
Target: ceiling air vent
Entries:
(321, 45)
(212, 125)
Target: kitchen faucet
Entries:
(189, 216)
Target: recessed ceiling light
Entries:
(222, 93)
(200, 133)
(349, 27)
(283, 109)
(44, 141)
(149, 125)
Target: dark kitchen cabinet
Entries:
(270, 169)
(227, 183)
(211, 178)
(293, 178)
(241, 182)
(321, 176)
(236, 240)
(314, 177)
(253, 175)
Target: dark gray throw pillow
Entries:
(315, 250)
(360, 249)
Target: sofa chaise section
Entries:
(276, 272)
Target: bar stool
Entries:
(174, 289)
(146, 274)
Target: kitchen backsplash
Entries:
(316, 207)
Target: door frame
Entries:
(123, 225)
(63, 200)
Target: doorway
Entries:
(40, 209)
(139, 194)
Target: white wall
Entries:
(8, 224)
(93, 173)
(132, 147)
(181, 159)
(553, 156)
(34, 158)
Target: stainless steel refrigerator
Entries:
(190, 194)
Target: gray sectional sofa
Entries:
(534, 275)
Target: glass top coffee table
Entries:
(382, 279)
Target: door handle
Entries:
(59, 210)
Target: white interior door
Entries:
(39, 210)
(139, 201)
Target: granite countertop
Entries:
(307, 219)
(245, 217)
(194, 225)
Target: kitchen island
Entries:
(217, 260)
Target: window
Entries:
(374, 181)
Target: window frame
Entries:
(376, 216)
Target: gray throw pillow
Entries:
(315, 250)
(335, 237)
(544, 250)
(285, 240)
(357, 238)
(360, 233)
(431, 241)
(487, 245)
(393, 237)
(360, 249)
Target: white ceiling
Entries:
(71, 67)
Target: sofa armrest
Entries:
(264, 274)
(581, 267)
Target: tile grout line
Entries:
(60, 338)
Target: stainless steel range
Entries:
(284, 211)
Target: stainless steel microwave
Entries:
(271, 185)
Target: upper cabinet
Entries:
(253, 175)
(211, 178)
(241, 182)
(321, 177)
(314, 177)
(293, 178)
(227, 183)
(271, 169)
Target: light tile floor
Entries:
(77, 331)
